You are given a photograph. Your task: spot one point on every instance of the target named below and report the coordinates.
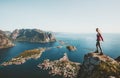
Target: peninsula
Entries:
(24, 56)
(63, 67)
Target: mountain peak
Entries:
(100, 66)
(5, 42)
(97, 56)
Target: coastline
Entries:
(24, 56)
(62, 67)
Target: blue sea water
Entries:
(84, 43)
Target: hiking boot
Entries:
(101, 53)
(96, 51)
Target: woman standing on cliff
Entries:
(99, 38)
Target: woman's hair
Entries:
(98, 30)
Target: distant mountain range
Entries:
(29, 35)
(32, 35)
(5, 42)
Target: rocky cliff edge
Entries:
(99, 66)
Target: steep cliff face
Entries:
(32, 35)
(99, 66)
(7, 33)
(4, 41)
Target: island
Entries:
(63, 67)
(24, 56)
(59, 46)
(71, 48)
(32, 35)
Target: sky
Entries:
(75, 16)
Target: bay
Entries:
(84, 43)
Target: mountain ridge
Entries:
(5, 42)
(32, 35)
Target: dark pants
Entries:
(98, 46)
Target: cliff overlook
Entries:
(32, 35)
(5, 42)
(99, 66)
